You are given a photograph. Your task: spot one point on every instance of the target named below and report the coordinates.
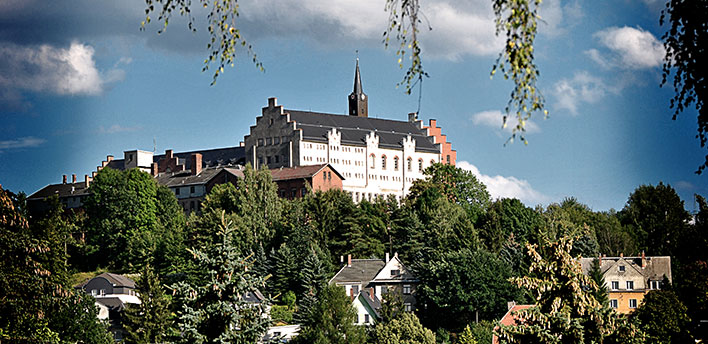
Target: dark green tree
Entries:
(565, 310)
(657, 217)
(691, 286)
(663, 318)
(332, 320)
(148, 321)
(601, 293)
(75, 320)
(313, 278)
(222, 306)
(612, 237)
(509, 217)
(405, 328)
(460, 287)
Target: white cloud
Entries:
(628, 47)
(582, 88)
(494, 119)
(63, 71)
(458, 29)
(23, 142)
(117, 128)
(556, 17)
(506, 187)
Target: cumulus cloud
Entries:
(117, 128)
(23, 142)
(627, 47)
(494, 119)
(44, 68)
(583, 88)
(506, 187)
(556, 17)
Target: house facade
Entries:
(628, 279)
(369, 282)
(112, 293)
(376, 157)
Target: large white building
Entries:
(376, 157)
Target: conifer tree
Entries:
(596, 275)
(313, 279)
(148, 321)
(221, 307)
(332, 320)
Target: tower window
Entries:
(395, 163)
(373, 161)
(410, 163)
(383, 162)
(420, 165)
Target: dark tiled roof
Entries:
(61, 190)
(371, 300)
(211, 157)
(115, 279)
(297, 172)
(354, 129)
(362, 270)
(186, 177)
(254, 297)
(113, 303)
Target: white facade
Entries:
(369, 171)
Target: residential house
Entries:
(628, 279)
(369, 282)
(293, 182)
(112, 293)
(510, 318)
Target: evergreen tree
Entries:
(467, 337)
(148, 321)
(285, 269)
(601, 293)
(313, 279)
(75, 320)
(565, 310)
(663, 318)
(220, 308)
(332, 321)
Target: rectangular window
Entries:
(621, 268)
(615, 285)
(630, 285)
(277, 159)
(406, 289)
(654, 285)
(94, 292)
(103, 292)
(395, 272)
(269, 141)
(632, 303)
(267, 160)
(191, 189)
(260, 142)
(613, 303)
(285, 139)
(355, 290)
(276, 140)
(176, 191)
(366, 318)
(303, 192)
(408, 307)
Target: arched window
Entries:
(410, 164)
(420, 165)
(373, 161)
(383, 162)
(395, 163)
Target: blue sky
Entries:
(79, 81)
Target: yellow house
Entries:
(628, 279)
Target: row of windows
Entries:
(409, 163)
(177, 190)
(293, 193)
(327, 175)
(614, 285)
(632, 303)
(272, 159)
(272, 141)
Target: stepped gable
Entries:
(354, 129)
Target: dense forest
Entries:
(471, 254)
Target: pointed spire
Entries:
(357, 79)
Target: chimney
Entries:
(272, 102)
(168, 154)
(621, 255)
(349, 260)
(73, 178)
(510, 304)
(63, 179)
(387, 257)
(351, 293)
(196, 162)
(412, 117)
(86, 181)
(154, 169)
(371, 293)
(341, 260)
(644, 260)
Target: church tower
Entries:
(358, 102)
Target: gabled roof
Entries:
(299, 172)
(184, 178)
(656, 266)
(370, 302)
(115, 279)
(384, 274)
(509, 319)
(361, 270)
(61, 190)
(354, 129)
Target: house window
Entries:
(655, 284)
(94, 292)
(191, 189)
(366, 318)
(276, 140)
(329, 175)
(324, 175)
(408, 307)
(395, 272)
(630, 285)
(383, 162)
(282, 193)
(410, 164)
(176, 191)
(448, 159)
(615, 285)
(355, 289)
(406, 289)
(613, 303)
(277, 159)
(267, 160)
(303, 192)
(373, 161)
(420, 165)
(621, 268)
(269, 141)
(103, 292)
(632, 303)
(395, 163)
(260, 142)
